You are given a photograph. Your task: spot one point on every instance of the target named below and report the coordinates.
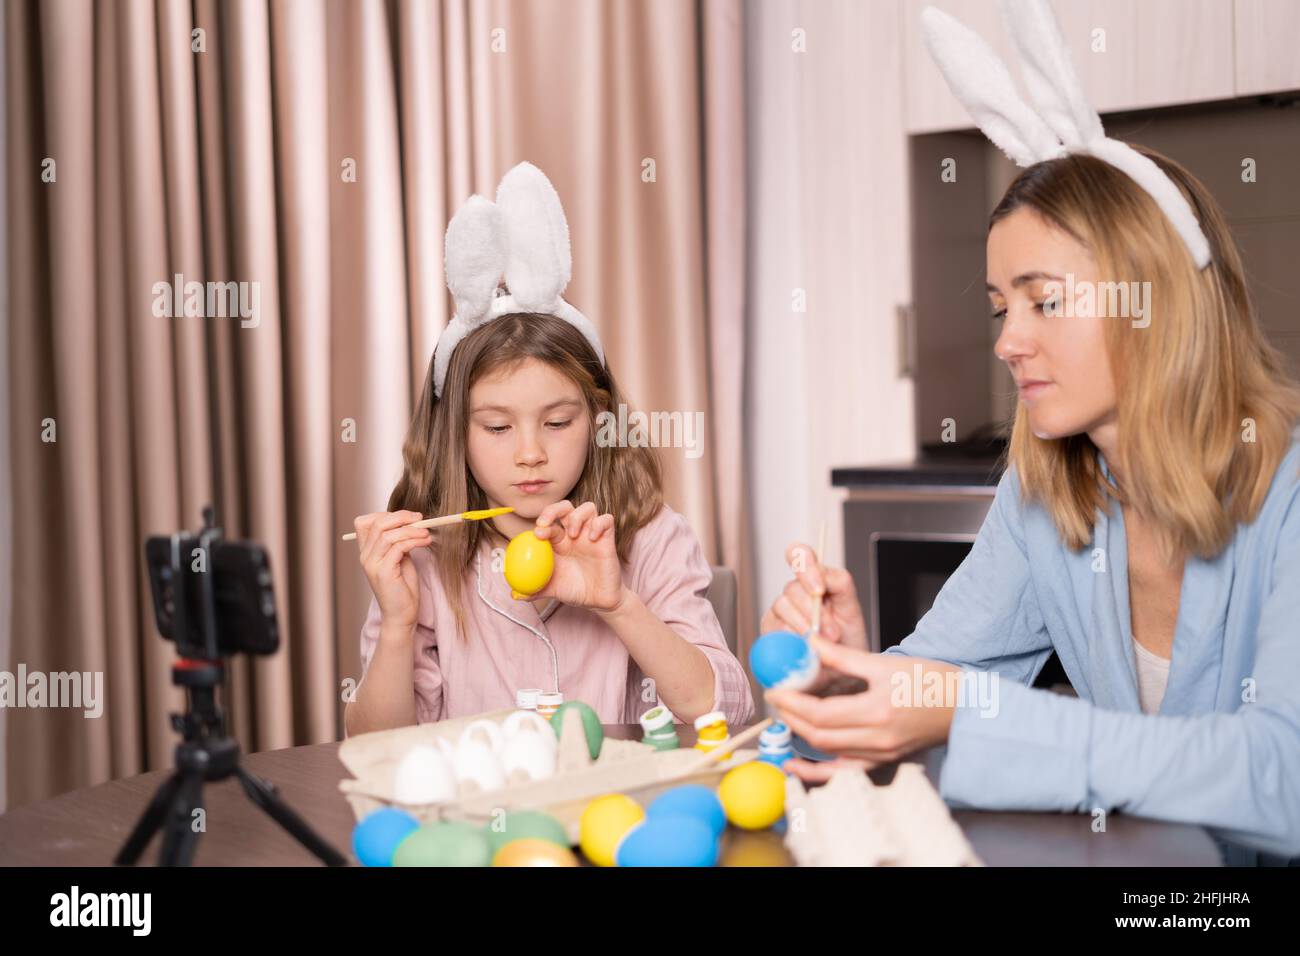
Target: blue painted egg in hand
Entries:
(691, 800)
(375, 838)
(783, 660)
(669, 840)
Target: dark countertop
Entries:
(87, 827)
(926, 469)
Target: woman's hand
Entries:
(587, 571)
(385, 547)
(891, 718)
(842, 621)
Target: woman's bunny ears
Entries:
(524, 238)
(1063, 122)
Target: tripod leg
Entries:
(179, 837)
(264, 794)
(149, 821)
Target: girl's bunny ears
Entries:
(524, 238)
(1063, 122)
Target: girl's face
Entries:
(1059, 362)
(529, 430)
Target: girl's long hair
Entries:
(436, 479)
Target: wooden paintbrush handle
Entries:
(426, 523)
(734, 743)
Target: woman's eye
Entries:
(1000, 313)
(558, 425)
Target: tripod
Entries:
(206, 752)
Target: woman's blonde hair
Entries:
(436, 479)
(1205, 406)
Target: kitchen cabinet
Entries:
(1130, 56)
(1267, 35)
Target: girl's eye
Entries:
(496, 429)
(558, 425)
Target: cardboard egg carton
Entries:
(623, 766)
(853, 822)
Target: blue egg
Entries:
(669, 840)
(375, 838)
(783, 659)
(691, 800)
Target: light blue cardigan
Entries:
(1208, 756)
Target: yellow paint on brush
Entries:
(485, 513)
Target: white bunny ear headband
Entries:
(1063, 123)
(524, 238)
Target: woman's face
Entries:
(529, 430)
(1059, 362)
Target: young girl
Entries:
(507, 418)
(1147, 530)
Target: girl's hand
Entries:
(867, 729)
(842, 621)
(587, 571)
(385, 547)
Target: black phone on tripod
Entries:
(244, 599)
(212, 598)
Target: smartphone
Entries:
(242, 588)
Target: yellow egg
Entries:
(605, 821)
(753, 795)
(534, 852)
(529, 563)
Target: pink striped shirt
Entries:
(509, 643)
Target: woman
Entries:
(1147, 529)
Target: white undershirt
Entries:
(1152, 675)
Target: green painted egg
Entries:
(590, 723)
(445, 843)
(524, 825)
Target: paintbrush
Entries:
(481, 515)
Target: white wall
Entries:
(828, 213)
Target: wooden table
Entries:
(88, 827)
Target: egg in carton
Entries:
(446, 770)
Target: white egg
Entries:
(477, 767)
(484, 731)
(424, 776)
(528, 755)
(533, 727)
(527, 720)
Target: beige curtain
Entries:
(317, 149)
